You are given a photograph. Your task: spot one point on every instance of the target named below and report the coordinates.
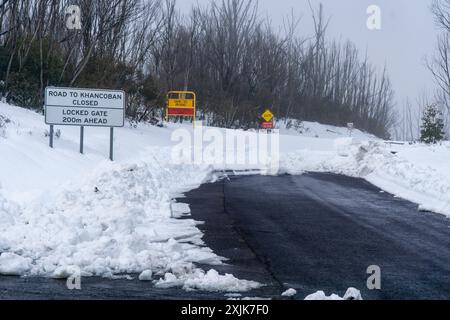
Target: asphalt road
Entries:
(310, 232)
(321, 232)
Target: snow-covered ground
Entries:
(60, 210)
(318, 130)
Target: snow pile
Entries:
(417, 182)
(320, 295)
(197, 279)
(403, 177)
(119, 221)
(289, 293)
(146, 275)
(351, 294)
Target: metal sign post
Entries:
(111, 144)
(51, 136)
(81, 139)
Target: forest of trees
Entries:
(236, 62)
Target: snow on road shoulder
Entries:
(116, 222)
(405, 176)
(104, 223)
(425, 181)
(405, 173)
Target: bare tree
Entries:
(439, 65)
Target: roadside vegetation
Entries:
(237, 62)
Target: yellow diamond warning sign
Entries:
(267, 115)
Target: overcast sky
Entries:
(406, 38)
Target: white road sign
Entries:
(84, 107)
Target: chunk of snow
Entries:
(351, 294)
(320, 295)
(146, 275)
(210, 281)
(289, 293)
(213, 281)
(13, 264)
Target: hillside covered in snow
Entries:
(60, 209)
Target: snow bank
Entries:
(322, 131)
(403, 174)
(117, 221)
(421, 183)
